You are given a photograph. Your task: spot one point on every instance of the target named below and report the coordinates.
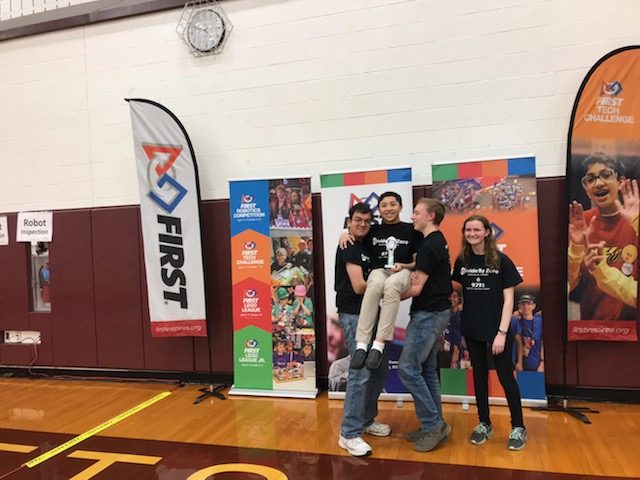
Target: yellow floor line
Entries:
(74, 441)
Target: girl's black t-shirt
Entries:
(482, 292)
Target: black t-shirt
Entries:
(408, 241)
(482, 292)
(275, 267)
(303, 259)
(347, 300)
(433, 259)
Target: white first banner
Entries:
(170, 215)
(34, 227)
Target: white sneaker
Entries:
(378, 429)
(355, 446)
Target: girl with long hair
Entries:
(488, 278)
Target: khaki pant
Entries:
(384, 289)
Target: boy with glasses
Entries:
(603, 243)
(364, 386)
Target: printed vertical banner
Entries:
(505, 192)
(603, 166)
(272, 278)
(4, 231)
(340, 191)
(170, 216)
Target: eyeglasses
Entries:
(604, 175)
(366, 221)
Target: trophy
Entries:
(391, 243)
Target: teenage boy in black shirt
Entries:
(363, 386)
(430, 289)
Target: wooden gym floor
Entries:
(271, 438)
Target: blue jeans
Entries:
(418, 366)
(363, 386)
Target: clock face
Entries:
(205, 30)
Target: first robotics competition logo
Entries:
(611, 89)
(498, 233)
(371, 200)
(164, 188)
(248, 211)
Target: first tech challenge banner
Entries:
(274, 344)
(603, 166)
(505, 192)
(170, 216)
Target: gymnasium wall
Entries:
(307, 85)
(302, 87)
(99, 316)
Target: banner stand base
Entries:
(254, 392)
(210, 391)
(387, 397)
(463, 399)
(573, 411)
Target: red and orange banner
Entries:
(602, 171)
(505, 192)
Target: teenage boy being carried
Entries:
(392, 245)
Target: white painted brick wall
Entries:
(303, 87)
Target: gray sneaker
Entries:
(445, 430)
(481, 433)
(414, 436)
(430, 440)
(517, 438)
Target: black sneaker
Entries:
(358, 358)
(374, 359)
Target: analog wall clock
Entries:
(205, 30)
(204, 27)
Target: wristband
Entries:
(503, 332)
